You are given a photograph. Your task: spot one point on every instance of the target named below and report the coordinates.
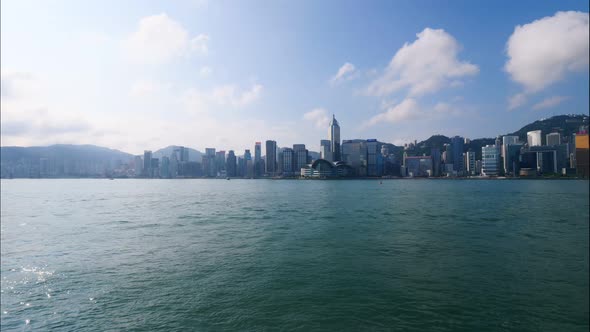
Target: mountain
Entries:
(566, 125)
(193, 155)
(62, 151)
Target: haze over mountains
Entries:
(565, 124)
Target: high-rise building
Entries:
(230, 164)
(457, 143)
(490, 160)
(220, 161)
(165, 168)
(209, 163)
(182, 154)
(258, 166)
(553, 139)
(534, 138)
(334, 135)
(138, 166)
(374, 160)
(419, 166)
(512, 158)
(299, 157)
(506, 140)
(287, 162)
(435, 154)
(173, 169)
(354, 153)
(241, 170)
(147, 163)
(470, 157)
(271, 157)
(326, 149)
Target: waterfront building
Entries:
(582, 156)
(287, 162)
(419, 166)
(209, 163)
(534, 138)
(470, 162)
(230, 164)
(334, 135)
(512, 157)
(241, 170)
(326, 150)
(435, 154)
(220, 162)
(182, 154)
(550, 159)
(299, 157)
(155, 167)
(506, 140)
(165, 168)
(553, 139)
(457, 144)
(258, 170)
(271, 157)
(354, 154)
(374, 159)
(490, 160)
(138, 163)
(147, 163)
(173, 168)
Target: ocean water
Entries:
(287, 255)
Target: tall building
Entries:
(334, 136)
(173, 169)
(490, 160)
(299, 157)
(209, 163)
(138, 165)
(258, 167)
(271, 157)
(374, 160)
(582, 156)
(457, 143)
(512, 158)
(147, 163)
(470, 158)
(165, 168)
(241, 169)
(553, 139)
(326, 149)
(435, 154)
(354, 153)
(419, 166)
(506, 140)
(533, 138)
(287, 162)
(182, 154)
(220, 161)
(230, 164)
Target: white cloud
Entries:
(550, 102)
(318, 116)
(425, 66)
(159, 39)
(544, 51)
(406, 110)
(517, 101)
(147, 88)
(345, 73)
(198, 101)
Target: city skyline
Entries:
(167, 74)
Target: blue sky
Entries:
(137, 75)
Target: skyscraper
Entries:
(490, 160)
(299, 157)
(230, 164)
(258, 167)
(534, 138)
(271, 157)
(325, 149)
(138, 166)
(334, 136)
(208, 163)
(147, 163)
(287, 161)
(457, 143)
(508, 162)
(470, 157)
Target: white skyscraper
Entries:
(534, 138)
(334, 135)
(553, 139)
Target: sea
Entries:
(294, 255)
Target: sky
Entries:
(142, 75)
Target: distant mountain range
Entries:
(564, 124)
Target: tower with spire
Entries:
(334, 136)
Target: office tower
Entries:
(470, 157)
(448, 154)
(534, 138)
(165, 168)
(173, 168)
(155, 169)
(334, 135)
(258, 159)
(512, 157)
(457, 144)
(230, 164)
(287, 161)
(271, 157)
(490, 160)
(354, 153)
(220, 161)
(326, 150)
(147, 163)
(419, 166)
(435, 154)
(182, 153)
(553, 139)
(506, 140)
(582, 148)
(240, 171)
(138, 166)
(374, 160)
(299, 157)
(209, 163)
(498, 141)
